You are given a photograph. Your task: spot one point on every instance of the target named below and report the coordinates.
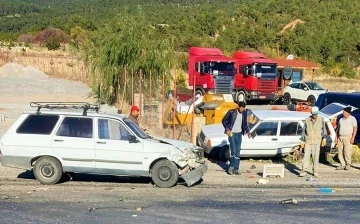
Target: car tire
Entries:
(240, 97)
(165, 174)
(224, 154)
(287, 98)
(312, 100)
(48, 170)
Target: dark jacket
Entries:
(134, 119)
(229, 120)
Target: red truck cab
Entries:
(211, 70)
(256, 77)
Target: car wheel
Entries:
(165, 174)
(48, 170)
(224, 154)
(311, 99)
(287, 98)
(240, 97)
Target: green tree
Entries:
(127, 42)
(52, 44)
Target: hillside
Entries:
(115, 33)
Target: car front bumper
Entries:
(195, 175)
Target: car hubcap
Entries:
(164, 173)
(47, 170)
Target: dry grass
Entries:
(338, 84)
(59, 64)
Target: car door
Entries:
(74, 143)
(294, 90)
(266, 140)
(303, 92)
(290, 134)
(114, 152)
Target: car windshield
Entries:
(332, 109)
(136, 129)
(314, 86)
(219, 68)
(252, 119)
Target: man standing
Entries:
(134, 115)
(235, 124)
(312, 136)
(346, 132)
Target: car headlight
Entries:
(207, 141)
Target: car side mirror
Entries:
(306, 89)
(133, 139)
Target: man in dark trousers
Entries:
(235, 124)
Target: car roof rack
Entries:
(65, 105)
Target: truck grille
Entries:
(266, 85)
(224, 84)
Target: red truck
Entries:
(256, 77)
(211, 69)
(248, 75)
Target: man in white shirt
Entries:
(346, 132)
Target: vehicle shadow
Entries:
(68, 177)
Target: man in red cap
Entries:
(134, 114)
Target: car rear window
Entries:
(38, 124)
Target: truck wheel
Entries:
(165, 174)
(311, 99)
(224, 154)
(199, 92)
(48, 170)
(287, 98)
(240, 97)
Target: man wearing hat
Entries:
(134, 114)
(312, 136)
(346, 132)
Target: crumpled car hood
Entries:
(181, 145)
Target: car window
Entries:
(252, 119)
(294, 85)
(267, 128)
(79, 127)
(290, 128)
(302, 86)
(314, 86)
(112, 130)
(38, 124)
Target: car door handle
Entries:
(58, 140)
(274, 139)
(101, 142)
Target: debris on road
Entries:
(263, 181)
(310, 179)
(253, 167)
(289, 201)
(138, 209)
(6, 197)
(326, 190)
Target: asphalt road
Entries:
(24, 201)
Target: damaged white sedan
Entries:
(52, 141)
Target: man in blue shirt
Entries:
(235, 125)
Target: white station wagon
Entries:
(275, 132)
(52, 142)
